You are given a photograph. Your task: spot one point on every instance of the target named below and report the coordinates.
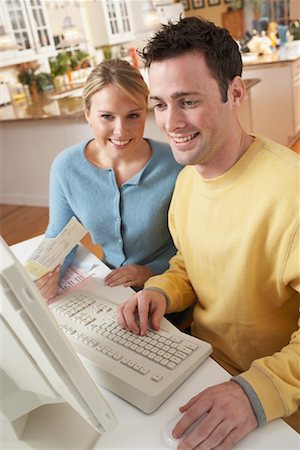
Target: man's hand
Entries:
(130, 275)
(228, 418)
(134, 313)
(48, 284)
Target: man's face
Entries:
(189, 110)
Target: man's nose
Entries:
(174, 120)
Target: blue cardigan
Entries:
(130, 222)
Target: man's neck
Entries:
(226, 159)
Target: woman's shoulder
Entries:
(163, 152)
(159, 146)
(70, 156)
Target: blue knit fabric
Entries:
(129, 222)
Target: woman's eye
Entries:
(106, 116)
(133, 116)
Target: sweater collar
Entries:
(236, 171)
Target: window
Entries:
(276, 11)
(27, 23)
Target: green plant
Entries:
(27, 75)
(235, 4)
(256, 4)
(67, 61)
(107, 52)
(59, 65)
(44, 81)
(78, 59)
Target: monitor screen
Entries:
(38, 366)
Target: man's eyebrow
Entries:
(176, 95)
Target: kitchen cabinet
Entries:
(233, 21)
(110, 21)
(296, 96)
(276, 100)
(27, 23)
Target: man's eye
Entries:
(189, 102)
(159, 106)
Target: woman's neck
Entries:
(124, 168)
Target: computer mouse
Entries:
(168, 438)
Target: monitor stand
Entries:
(50, 427)
(32, 415)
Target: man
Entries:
(234, 218)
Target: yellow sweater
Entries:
(237, 237)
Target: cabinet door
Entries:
(234, 22)
(118, 21)
(296, 95)
(27, 23)
(272, 100)
(42, 36)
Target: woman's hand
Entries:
(131, 275)
(48, 284)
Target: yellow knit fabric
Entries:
(237, 237)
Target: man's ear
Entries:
(237, 90)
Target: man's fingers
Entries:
(143, 314)
(126, 315)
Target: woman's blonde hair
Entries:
(119, 73)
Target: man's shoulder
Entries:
(283, 155)
(187, 174)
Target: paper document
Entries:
(71, 278)
(52, 251)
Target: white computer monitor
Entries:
(38, 365)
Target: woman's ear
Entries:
(87, 116)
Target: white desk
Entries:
(136, 430)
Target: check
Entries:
(52, 251)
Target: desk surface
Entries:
(136, 430)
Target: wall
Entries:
(28, 149)
(58, 10)
(212, 13)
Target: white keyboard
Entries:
(144, 370)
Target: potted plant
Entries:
(235, 4)
(66, 63)
(35, 81)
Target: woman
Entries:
(117, 184)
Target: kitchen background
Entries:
(48, 48)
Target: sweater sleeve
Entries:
(276, 378)
(175, 281)
(60, 211)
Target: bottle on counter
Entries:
(18, 92)
(5, 97)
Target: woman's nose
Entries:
(119, 126)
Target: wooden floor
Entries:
(18, 223)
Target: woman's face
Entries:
(117, 122)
